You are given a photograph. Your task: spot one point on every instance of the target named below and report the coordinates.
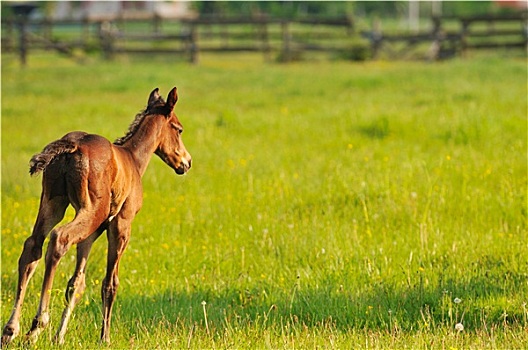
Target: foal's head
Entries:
(171, 148)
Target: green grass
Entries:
(329, 205)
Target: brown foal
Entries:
(102, 181)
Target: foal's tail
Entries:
(41, 160)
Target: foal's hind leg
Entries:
(50, 214)
(61, 239)
(76, 284)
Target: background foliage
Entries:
(324, 8)
(333, 8)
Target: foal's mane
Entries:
(137, 121)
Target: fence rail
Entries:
(288, 39)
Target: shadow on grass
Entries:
(479, 304)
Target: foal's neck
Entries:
(144, 142)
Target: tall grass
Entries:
(329, 205)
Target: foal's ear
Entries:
(154, 96)
(172, 98)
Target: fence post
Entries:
(106, 38)
(436, 46)
(194, 42)
(286, 41)
(463, 36)
(22, 12)
(377, 37)
(22, 40)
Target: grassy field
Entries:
(330, 204)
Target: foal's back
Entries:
(77, 166)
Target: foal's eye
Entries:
(177, 127)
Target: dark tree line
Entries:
(292, 9)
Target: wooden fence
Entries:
(255, 34)
(184, 38)
(492, 31)
(286, 39)
(446, 40)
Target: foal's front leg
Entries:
(118, 237)
(77, 284)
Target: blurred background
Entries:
(279, 30)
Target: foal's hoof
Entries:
(58, 339)
(8, 335)
(6, 339)
(32, 336)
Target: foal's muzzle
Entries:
(184, 166)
